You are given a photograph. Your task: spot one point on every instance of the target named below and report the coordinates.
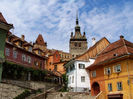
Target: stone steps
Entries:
(8, 91)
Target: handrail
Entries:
(99, 94)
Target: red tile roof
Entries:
(114, 50)
(2, 19)
(40, 40)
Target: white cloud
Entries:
(54, 19)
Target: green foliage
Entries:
(65, 83)
(15, 71)
(23, 95)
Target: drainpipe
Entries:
(129, 81)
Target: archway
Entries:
(95, 88)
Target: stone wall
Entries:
(69, 95)
(9, 91)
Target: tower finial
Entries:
(77, 22)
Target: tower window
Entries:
(75, 44)
(79, 44)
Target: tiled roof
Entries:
(40, 40)
(2, 19)
(92, 47)
(114, 50)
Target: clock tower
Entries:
(78, 41)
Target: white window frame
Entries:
(7, 52)
(81, 66)
(24, 57)
(107, 71)
(117, 68)
(28, 59)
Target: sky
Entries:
(55, 19)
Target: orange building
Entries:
(112, 72)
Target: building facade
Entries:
(112, 72)
(78, 42)
(78, 78)
(19, 51)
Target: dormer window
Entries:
(9, 39)
(20, 44)
(30, 48)
(39, 52)
(115, 54)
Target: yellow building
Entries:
(117, 63)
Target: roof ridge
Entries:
(125, 45)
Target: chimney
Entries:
(22, 37)
(93, 41)
(31, 43)
(121, 37)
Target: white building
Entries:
(78, 77)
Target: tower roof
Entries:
(40, 40)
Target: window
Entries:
(56, 55)
(14, 54)
(107, 71)
(93, 73)
(109, 87)
(82, 78)
(35, 63)
(23, 57)
(39, 52)
(29, 59)
(40, 64)
(81, 66)
(119, 86)
(9, 39)
(20, 44)
(69, 80)
(117, 68)
(7, 52)
(79, 44)
(75, 44)
(72, 67)
(72, 79)
(30, 48)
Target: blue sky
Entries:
(55, 19)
